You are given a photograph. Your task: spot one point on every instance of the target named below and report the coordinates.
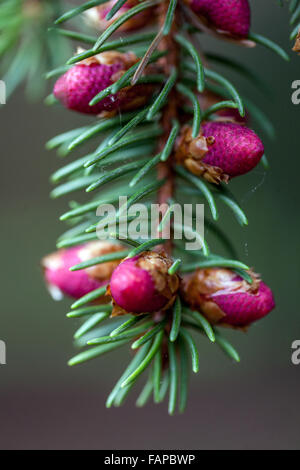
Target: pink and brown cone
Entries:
(231, 17)
(226, 299)
(222, 151)
(97, 16)
(142, 284)
(61, 281)
(79, 85)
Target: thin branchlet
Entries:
(140, 151)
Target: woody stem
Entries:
(170, 111)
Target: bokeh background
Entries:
(254, 405)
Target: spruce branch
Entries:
(168, 128)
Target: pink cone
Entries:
(142, 284)
(230, 16)
(226, 299)
(79, 85)
(61, 281)
(236, 149)
(221, 151)
(138, 21)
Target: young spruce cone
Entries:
(142, 284)
(61, 281)
(226, 299)
(222, 151)
(79, 85)
(226, 16)
(96, 16)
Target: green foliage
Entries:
(294, 10)
(27, 49)
(126, 155)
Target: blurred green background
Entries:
(254, 405)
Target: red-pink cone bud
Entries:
(226, 16)
(97, 16)
(222, 151)
(226, 299)
(79, 85)
(61, 281)
(142, 284)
